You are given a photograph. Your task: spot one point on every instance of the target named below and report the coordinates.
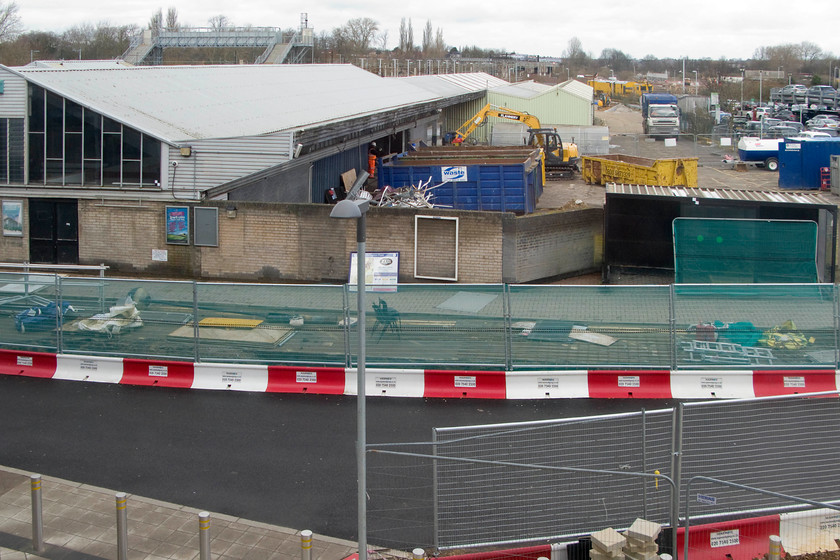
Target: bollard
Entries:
(306, 545)
(775, 548)
(204, 535)
(418, 554)
(37, 513)
(122, 525)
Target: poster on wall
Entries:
(381, 271)
(178, 225)
(13, 217)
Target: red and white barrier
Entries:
(449, 384)
(572, 384)
(739, 539)
(712, 384)
(88, 368)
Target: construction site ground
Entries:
(625, 125)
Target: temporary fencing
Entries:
(650, 330)
(512, 484)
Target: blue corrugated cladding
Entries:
(800, 161)
(505, 188)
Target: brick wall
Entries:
(268, 242)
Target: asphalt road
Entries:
(282, 459)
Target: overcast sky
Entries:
(703, 29)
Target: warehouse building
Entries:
(134, 166)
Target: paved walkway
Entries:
(80, 524)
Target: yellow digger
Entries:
(561, 160)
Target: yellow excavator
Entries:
(561, 160)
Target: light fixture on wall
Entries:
(186, 151)
(231, 211)
(298, 150)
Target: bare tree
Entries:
(406, 36)
(219, 22)
(156, 21)
(10, 25)
(427, 37)
(172, 19)
(356, 36)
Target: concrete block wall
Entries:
(557, 244)
(274, 242)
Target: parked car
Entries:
(782, 131)
(822, 121)
(821, 91)
(792, 89)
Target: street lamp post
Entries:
(742, 91)
(356, 210)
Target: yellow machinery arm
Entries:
(490, 110)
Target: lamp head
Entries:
(350, 209)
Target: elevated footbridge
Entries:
(280, 46)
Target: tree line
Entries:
(364, 37)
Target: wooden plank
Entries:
(230, 322)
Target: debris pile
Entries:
(412, 196)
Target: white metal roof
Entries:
(183, 103)
(578, 89)
(78, 64)
(454, 84)
(525, 90)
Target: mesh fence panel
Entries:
(549, 327)
(500, 484)
(470, 327)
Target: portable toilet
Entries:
(800, 161)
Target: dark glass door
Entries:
(53, 231)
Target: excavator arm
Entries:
(490, 110)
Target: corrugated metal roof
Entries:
(789, 197)
(453, 84)
(524, 90)
(182, 103)
(578, 89)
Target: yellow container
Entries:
(633, 170)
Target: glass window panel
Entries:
(151, 160)
(72, 116)
(110, 125)
(73, 159)
(131, 144)
(93, 170)
(36, 109)
(111, 144)
(131, 173)
(36, 157)
(93, 135)
(55, 171)
(55, 126)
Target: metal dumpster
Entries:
(619, 168)
(484, 178)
